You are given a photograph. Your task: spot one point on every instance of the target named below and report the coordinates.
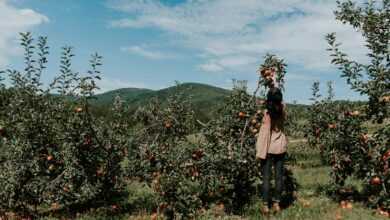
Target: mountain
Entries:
(199, 93)
(205, 98)
(127, 94)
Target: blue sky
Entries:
(152, 43)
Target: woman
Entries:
(271, 147)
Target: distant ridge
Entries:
(127, 94)
(198, 91)
(205, 98)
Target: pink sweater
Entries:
(271, 138)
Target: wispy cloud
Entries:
(12, 21)
(233, 34)
(148, 53)
(292, 76)
(211, 67)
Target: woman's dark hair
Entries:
(274, 102)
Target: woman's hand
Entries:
(271, 76)
(274, 81)
(266, 118)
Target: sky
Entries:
(153, 43)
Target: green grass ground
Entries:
(311, 203)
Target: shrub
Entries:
(375, 170)
(55, 153)
(371, 79)
(161, 155)
(296, 123)
(231, 146)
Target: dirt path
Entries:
(301, 140)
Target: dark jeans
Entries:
(277, 160)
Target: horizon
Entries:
(153, 43)
(184, 83)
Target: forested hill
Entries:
(205, 98)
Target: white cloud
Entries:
(217, 65)
(12, 21)
(292, 76)
(224, 30)
(236, 61)
(211, 67)
(147, 52)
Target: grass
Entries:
(312, 203)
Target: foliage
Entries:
(372, 79)
(272, 61)
(296, 120)
(376, 174)
(336, 128)
(230, 144)
(55, 153)
(160, 154)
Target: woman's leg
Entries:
(279, 174)
(266, 174)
